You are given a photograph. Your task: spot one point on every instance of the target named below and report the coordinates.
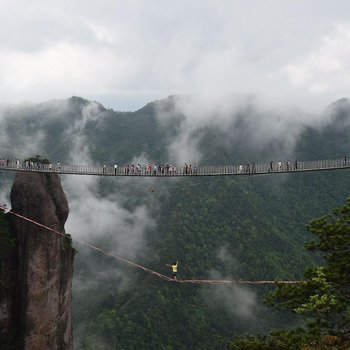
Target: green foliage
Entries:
(256, 225)
(67, 245)
(37, 159)
(325, 293)
(278, 340)
(333, 240)
(323, 297)
(309, 338)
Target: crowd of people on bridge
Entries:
(272, 167)
(129, 169)
(156, 169)
(29, 165)
(152, 169)
(287, 166)
(6, 162)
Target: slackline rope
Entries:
(161, 276)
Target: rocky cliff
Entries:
(36, 307)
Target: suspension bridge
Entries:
(169, 170)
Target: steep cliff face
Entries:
(8, 284)
(41, 307)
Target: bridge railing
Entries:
(229, 169)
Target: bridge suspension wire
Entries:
(90, 246)
(145, 269)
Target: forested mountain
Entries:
(250, 227)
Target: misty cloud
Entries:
(94, 218)
(6, 182)
(101, 218)
(15, 139)
(239, 301)
(74, 134)
(112, 51)
(237, 121)
(24, 132)
(324, 69)
(105, 222)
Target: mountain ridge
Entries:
(251, 227)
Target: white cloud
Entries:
(240, 301)
(62, 66)
(112, 50)
(93, 218)
(24, 144)
(6, 182)
(326, 69)
(245, 119)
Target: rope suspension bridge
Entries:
(168, 170)
(154, 170)
(3, 208)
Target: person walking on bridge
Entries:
(174, 266)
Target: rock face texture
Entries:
(41, 308)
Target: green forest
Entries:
(249, 227)
(322, 297)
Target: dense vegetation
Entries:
(234, 228)
(245, 228)
(323, 296)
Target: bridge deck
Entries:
(201, 170)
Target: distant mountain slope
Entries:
(331, 138)
(112, 136)
(251, 227)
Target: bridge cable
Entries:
(147, 270)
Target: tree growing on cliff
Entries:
(322, 299)
(37, 159)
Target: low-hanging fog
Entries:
(106, 213)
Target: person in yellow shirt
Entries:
(173, 266)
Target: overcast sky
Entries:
(127, 53)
